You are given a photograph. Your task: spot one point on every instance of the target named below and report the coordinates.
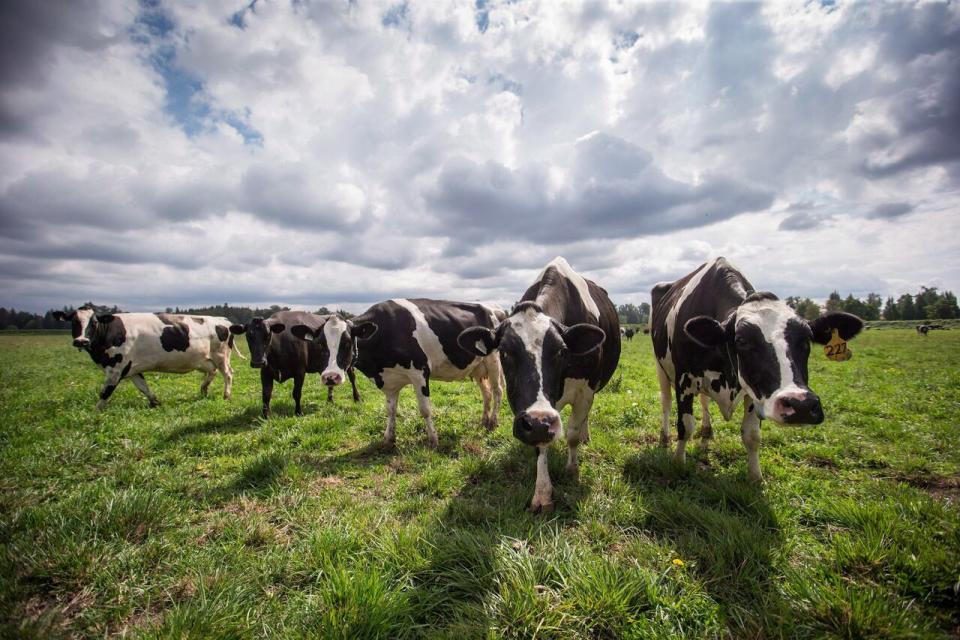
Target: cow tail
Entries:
(233, 346)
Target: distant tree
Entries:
(323, 311)
(834, 302)
(944, 308)
(628, 313)
(890, 311)
(346, 315)
(928, 297)
(872, 306)
(806, 308)
(906, 308)
(644, 312)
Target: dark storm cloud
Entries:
(615, 191)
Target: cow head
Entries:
(259, 334)
(337, 341)
(80, 322)
(769, 345)
(535, 351)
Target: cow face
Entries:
(80, 321)
(337, 341)
(535, 352)
(259, 336)
(770, 345)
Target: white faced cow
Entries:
(127, 345)
(401, 342)
(716, 337)
(559, 347)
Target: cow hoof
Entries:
(573, 470)
(433, 442)
(356, 398)
(101, 405)
(154, 404)
(543, 508)
(298, 413)
(664, 443)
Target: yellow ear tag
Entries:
(836, 349)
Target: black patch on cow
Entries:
(447, 319)
(757, 296)
(393, 345)
(126, 370)
(103, 336)
(175, 337)
(222, 332)
(797, 334)
(107, 391)
(757, 359)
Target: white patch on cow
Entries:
(531, 327)
(772, 317)
(440, 366)
(722, 397)
(578, 281)
(333, 329)
(481, 347)
(397, 377)
(692, 284)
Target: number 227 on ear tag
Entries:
(836, 349)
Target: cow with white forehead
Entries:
(559, 347)
(716, 337)
(404, 342)
(127, 345)
(280, 355)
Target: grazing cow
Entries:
(559, 346)
(923, 329)
(279, 355)
(623, 331)
(629, 333)
(713, 335)
(127, 345)
(401, 342)
(646, 331)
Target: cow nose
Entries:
(258, 364)
(536, 427)
(798, 407)
(331, 378)
(81, 342)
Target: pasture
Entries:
(198, 519)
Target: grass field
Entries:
(197, 519)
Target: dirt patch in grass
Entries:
(945, 488)
(57, 611)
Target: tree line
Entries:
(927, 304)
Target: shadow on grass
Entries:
(248, 419)
(374, 453)
(723, 528)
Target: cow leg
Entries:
(706, 428)
(266, 390)
(543, 492)
(298, 392)
(224, 367)
(578, 430)
(423, 402)
(480, 376)
(110, 382)
(686, 423)
(665, 402)
(495, 378)
(140, 383)
(352, 374)
(211, 372)
(392, 396)
(750, 433)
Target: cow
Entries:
(629, 333)
(623, 331)
(280, 355)
(413, 341)
(716, 337)
(559, 346)
(127, 345)
(923, 329)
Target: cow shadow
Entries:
(722, 528)
(246, 420)
(258, 478)
(448, 594)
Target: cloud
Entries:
(890, 210)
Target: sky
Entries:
(339, 153)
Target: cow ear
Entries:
(277, 327)
(302, 331)
(584, 338)
(705, 331)
(479, 341)
(846, 324)
(106, 318)
(364, 330)
(237, 329)
(60, 316)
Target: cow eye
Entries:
(742, 344)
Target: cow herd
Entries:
(714, 337)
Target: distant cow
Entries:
(414, 341)
(923, 329)
(629, 333)
(623, 331)
(559, 346)
(127, 345)
(280, 355)
(713, 335)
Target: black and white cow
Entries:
(280, 355)
(923, 329)
(716, 337)
(414, 341)
(127, 345)
(629, 333)
(558, 347)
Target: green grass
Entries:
(197, 519)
